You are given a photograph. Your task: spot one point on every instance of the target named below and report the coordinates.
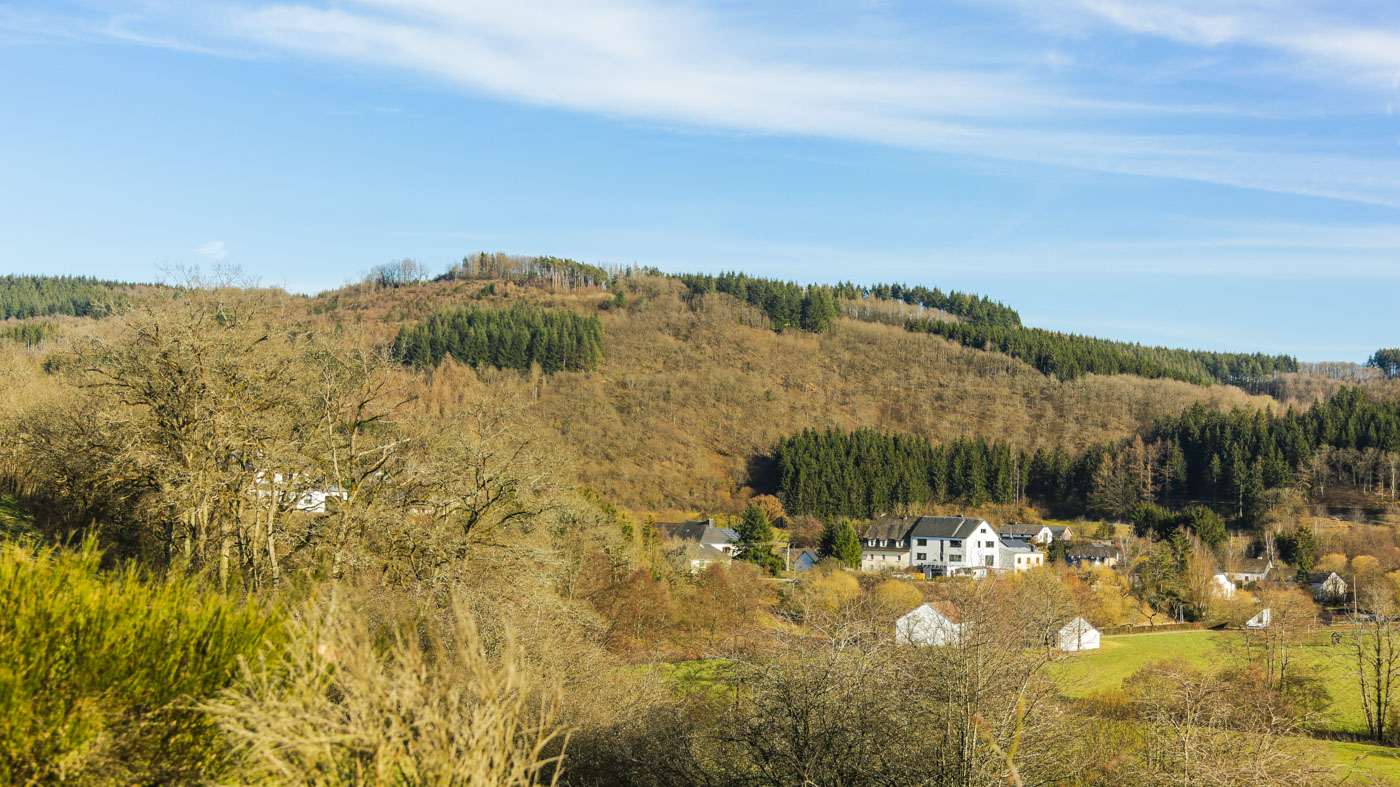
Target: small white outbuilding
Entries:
(927, 625)
(1078, 634)
(1262, 620)
(1222, 586)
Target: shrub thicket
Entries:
(99, 670)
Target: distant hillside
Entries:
(691, 390)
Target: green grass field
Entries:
(1119, 657)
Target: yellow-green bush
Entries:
(100, 671)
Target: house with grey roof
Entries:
(1019, 556)
(938, 545)
(1034, 534)
(701, 541)
(1248, 570)
(1061, 533)
(1088, 554)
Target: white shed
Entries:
(1078, 634)
(1262, 620)
(926, 625)
(1222, 586)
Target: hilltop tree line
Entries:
(1225, 461)
(1387, 360)
(556, 271)
(22, 297)
(1068, 356)
(973, 309)
(512, 338)
(812, 308)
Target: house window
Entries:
(955, 543)
(989, 560)
(923, 542)
(954, 557)
(921, 556)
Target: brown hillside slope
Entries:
(688, 394)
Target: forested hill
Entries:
(691, 389)
(22, 297)
(983, 324)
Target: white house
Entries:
(701, 531)
(1061, 533)
(309, 497)
(1251, 569)
(927, 625)
(1262, 620)
(1078, 634)
(699, 541)
(1019, 556)
(1222, 586)
(943, 545)
(1328, 587)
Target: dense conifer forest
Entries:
(811, 308)
(511, 338)
(1224, 460)
(22, 297)
(1068, 356)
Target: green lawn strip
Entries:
(1092, 671)
(1377, 762)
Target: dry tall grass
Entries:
(411, 706)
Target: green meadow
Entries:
(1105, 669)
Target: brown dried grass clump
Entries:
(349, 705)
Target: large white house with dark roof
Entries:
(938, 544)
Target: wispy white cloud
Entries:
(691, 65)
(214, 250)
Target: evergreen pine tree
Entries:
(846, 545)
(755, 542)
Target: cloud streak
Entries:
(688, 65)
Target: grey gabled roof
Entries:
(945, 527)
(1015, 529)
(1015, 545)
(697, 530)
(891, 528)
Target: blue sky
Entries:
(1184, 172)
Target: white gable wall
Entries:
(926, 626)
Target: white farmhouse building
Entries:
(1222, 586)
(1078, 634)
(927, 625)
(943, 545)
(1017, 556)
